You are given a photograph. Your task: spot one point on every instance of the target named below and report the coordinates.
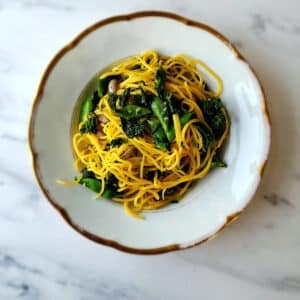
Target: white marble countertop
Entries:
(258, 257)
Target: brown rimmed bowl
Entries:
(216, 200)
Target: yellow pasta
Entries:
(149, 173)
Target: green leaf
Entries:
(87, 174)
(132, 128)
(144, 99)
(90, 125)
(125, 97)
(129, 111)
(218, 163)
(112, 101)
(207, 136)
(159, 80)
(117, 142)
(213, 115)
(103, 85)
(111, 184)
(111, 187)
(132, 111)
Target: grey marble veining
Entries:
(257, 257)
(25, 281)
(261, 23)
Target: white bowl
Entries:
(216, 200)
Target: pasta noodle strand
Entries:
(189, 158)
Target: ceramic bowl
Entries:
(214, 201)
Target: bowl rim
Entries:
(38, 96)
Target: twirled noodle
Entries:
(187, 159)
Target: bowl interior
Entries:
(208, 205)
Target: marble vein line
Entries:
(46, 4)
(290, 284)
(276, 200)
(260, 24)
(7, 261)
(9, 137)
(16, 176)
(20, 280)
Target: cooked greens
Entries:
(89, 180)
(207, 136)
(159, 80)
(161, 111)
(88, 106)
(213, 115)
(144, 112)
(158, 134)
(217, 162)
(90, 124)
(128, 111)
(117, 142)
(133, 127)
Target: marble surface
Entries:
(258, 257)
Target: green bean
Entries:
(91, 183)
(158, 134)
(132, 111)
(160, 111)
(185, 118)
(86, 108)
